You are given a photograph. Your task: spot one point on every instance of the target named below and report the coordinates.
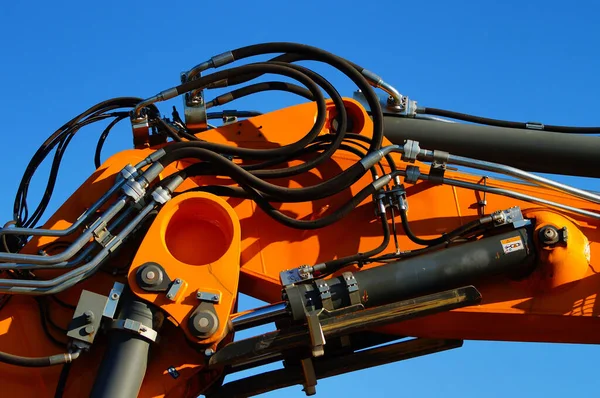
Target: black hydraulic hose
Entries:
(388, 157)
(331, 266)
(170, 131)
(304, 52)
(238, 192)
(342, 118)
(24, 217)
(267, 68)
(104, 136)
(349, 138)
(508, 124)
(20, 205)
(62, 381)
(52, 178)
(62, 303)
(259, 88)
(264, 204)
(60, 150)
(174, 132)
(43, 320)
(220, 115)
(445, 238)
(321, 222)
(287, 58)
(355, 150)
(241, 176)
(322, 143)
(38, 362)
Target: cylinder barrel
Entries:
(124, 364)
(532, 150)
(509, 253)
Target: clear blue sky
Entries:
(517, 60)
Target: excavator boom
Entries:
(374, 229)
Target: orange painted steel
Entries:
(555, 304)
(196, 238)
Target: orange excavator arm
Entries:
(372, 237)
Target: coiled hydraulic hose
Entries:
(343, 123)
(324, 221)
(205, 169)
(287, 58)
(266, 68)
(322, 190)
(61, 136)
(302, 52)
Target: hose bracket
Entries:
(137, 328)
(141, 131)
(194, 107)
(325, 294)
(87, 318)
(411, 150)
(412, 174)
(295, 275)
(315, 330)
(352, 287)
(438, 167)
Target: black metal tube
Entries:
(124, 364)
(260, 316)
(532, 150)
(330, 367)
(434, 272)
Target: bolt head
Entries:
(549, 235)
(209, 352)
(203, 324)
(89, 329)
(89, 316)
(114, 296)
(151, 275)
